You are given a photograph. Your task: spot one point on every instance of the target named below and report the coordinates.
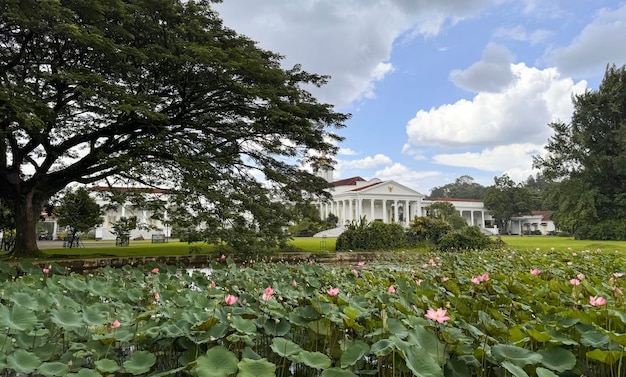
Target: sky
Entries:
(439, 89)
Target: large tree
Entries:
(79, 212)
(506, 199)
(156, 92)
(587, 157)
(463, 187)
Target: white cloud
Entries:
(364, 163)
(350, 40)
(519, 33)
(518, 114)
(491, 74)
(346, 152)
(422, 181)
(600, 43)
(501, 158)
(417, 154)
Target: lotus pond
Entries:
(479, 313)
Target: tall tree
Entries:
(463, 187)
(587, 156)
(506, 199)
(156, 92)
(79, 212)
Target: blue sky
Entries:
(438, 89)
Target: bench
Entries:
(159, 238)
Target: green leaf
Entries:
(23, 361)
(277, 327)
(558, 359)
(94, 316)
(607, 357)
(107, 365)
(140, 362)
(248, 353)
(53, 369)
(419, 361)
(85, 373)
(315, 360)
(456, 368)
(218, 362)
(336, 372)
(594, 338)
(354, 350)
(25, 300)
(17, 318)
(67, 318)
(245, 326)
(515, 370)
(516, 355)
(382, 348)
(543, 372)
(256, 368)
(284, 347)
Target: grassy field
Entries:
(104, 249)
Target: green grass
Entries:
(145, 248)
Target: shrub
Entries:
(428, 230)
(373, 236)
(467, 238)
(604, 230)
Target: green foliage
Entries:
(427, 230)
(463, 187)
(468, 238)
(506, 199)
(457, 221)
(441, 210)
(165, 321)
(586, 158)
(371, 236)
(603, 230)
(123, 226)
(78, 211)
(166, 94)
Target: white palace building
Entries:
(391, 202)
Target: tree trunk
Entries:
(27, 213)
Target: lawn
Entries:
(144, 248)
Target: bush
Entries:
(427, 230)
(604, 230)
(373, 236)
(467, 238)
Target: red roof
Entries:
(348, 181)
(545, 214)
(364, 187)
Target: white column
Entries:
(372, 210)
(472, 217)
(395, 210)
(385, 211)
(407, 213)
(351, 216)
(359, 208)
(321, 209)
(482, 217)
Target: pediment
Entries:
(386, 188)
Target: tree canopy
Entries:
(154, 92)
(587, 158)
(463, 187)
(79, 212)
(506, 199)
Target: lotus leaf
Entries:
(558, 359)
(515, 355)
(256, 368)
(140, 362)
(53, 369)
(23, 361)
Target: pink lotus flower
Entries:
(574, 282)
(597, 301)
(115, 324)
(438, 315)
(485, 276)
(445, 278)
(355, 272)
(476, 280)
(46, 271)
(361, 264)
(157, 296)
(212, 285)
(419, 281)
(391, 289)
(223, 257)
(294, 283)
(268, 293)
(333, 291)
(617, 290)
(230, 299)
(535, 271)
(581, 276)
(618, 274)
(155, 270)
